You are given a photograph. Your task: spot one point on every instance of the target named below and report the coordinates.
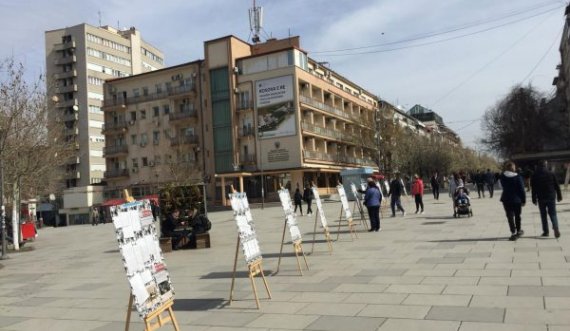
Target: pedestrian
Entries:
(490, 180)
(513, 198)
(395, 193)
(454, 182)
(297, 199)
(308, 196)
(434, 181)
(372, 201)
(418, 193)
(545, 189)
(94, 217)
(480, 183)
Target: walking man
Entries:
(396, 190)
(480, 183)
(434, 181)
(490, 182)
(513, 199)
(372, 200)
(308, 196)
(545, 189)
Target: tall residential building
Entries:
(153, 130)
(78, 61)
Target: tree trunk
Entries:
(15, 217)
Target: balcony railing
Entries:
(184, 140)
(184, 114)
(173, 91)
(74, 174)
(330, 109)
(66, 60)
(113, 150)
(70, 117)
(337, 158)
(112, 126)
(62, 46)
(64, 75)
(249, 158)
(67, 103)
(67, 89)
(116, 173)
(246, 131)
(244, 105)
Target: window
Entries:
(145, 91)
(167, 134)
(136, 92)
(151, 55)
(166, 109)
(133, 116)
(158, 88)
(95, 80)
(155, 111)
(95, 109)
(144, 138)
(133, 139)
(143, 114)
(135, 162)
(168, 86)
(96, 96)
(156, 137)
(145, 162)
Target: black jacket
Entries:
(513, 188)
(396, 188)
(545, 186)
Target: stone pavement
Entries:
(422, 272)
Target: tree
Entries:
(31, 142)
(514, 124)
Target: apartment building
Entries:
(78, 61)
(434, 125)
(153, 130)
(279, 118)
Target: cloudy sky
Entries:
(455, 57)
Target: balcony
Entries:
(174, 91)
(246, 131)
(321, 131)
(64, 46)
(74, 131)
(184, 140)
(115, 150)
(319, 156)
(248, 158)
(244, 105)
(73, 160)
(70, 117)
(72, 174)
(65, 75)
(66, 89)
(66, 60)
(186, 113)
(109, 127)
(116, 173)
(67, 103)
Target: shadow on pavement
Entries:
(228, 274)
(469, 240)
(199, 304)
(112, 251)
(433, 223)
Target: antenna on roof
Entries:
(255, 22)
(99, 14)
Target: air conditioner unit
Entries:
(131, 122)
(151, 163)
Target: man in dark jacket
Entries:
(480, 183)
(513, 198)
(490, 182)
(545, 189)
(434, 181)
(396, 190)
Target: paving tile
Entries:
(395, 311)
(557, 303)
(319, 287)
(476, 289)
(7, 320)
(470, 314)
(427, 289)
(342, 323)
(487, 273)
(349, 280)
(397, 280)
(451, 280)
(441, 260)
(291, 321)
(475, 326)
(361, 288)
(437, 300)
(536, 316)
(495, 301)
(376, 298)
(540, 291)
(56, 324)
(338, 309)
(418, 325)
(319, 297)
(431, 272)
(510, 281)
(227, 319)
(382, 272)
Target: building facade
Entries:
(78, 61)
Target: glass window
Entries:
(155, 111)
(144, 138)
(133, 139)
(133, 116)
(166, 109)
(135, 162)
(145, 162)
(155, 137)
(143, 114)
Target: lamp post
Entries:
(259, 135)
(53, 200)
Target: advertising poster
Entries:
(290, 215)
(142, 258)
(344, 201)
(246, 228)
(357, 196)
(320, 208)
(275, 107)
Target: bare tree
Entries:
(31, 143)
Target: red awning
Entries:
(113, 202)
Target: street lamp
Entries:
(54, 203)
(259, 135)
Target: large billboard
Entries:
(275, 107)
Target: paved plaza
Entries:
(422, 272)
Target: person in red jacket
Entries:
(418, 193)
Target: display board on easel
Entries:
(291, 222)
(247, 239)
(347, 213)
(151, 287)
(321, 215)
(357, 207)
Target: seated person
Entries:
(169, 229)
(462, 195)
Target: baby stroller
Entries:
(461, 203)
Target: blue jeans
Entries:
(395, 201)
(550, 207)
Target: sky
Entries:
(458, 58)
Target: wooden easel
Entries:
(255, 268)
(358, 206)
(157, 314)
(297, 247)
(351, 229)
(327, 235)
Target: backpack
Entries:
(201, 224)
